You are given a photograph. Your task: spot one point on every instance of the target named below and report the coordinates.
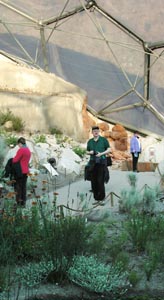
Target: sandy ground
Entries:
(118, 181)
(76, 193)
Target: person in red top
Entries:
(22, 156)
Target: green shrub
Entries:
(132, 179)
(18, 124)
(5, 116)
(11, 140)
(141, 228)
(62, 237)
(55, 131)
(134, 278)
(130, 200)
(145, 296)
(2, 149)
(3, 278)
(90, 273)
(116, 245)
(154, 248)
(144, 201)
(48, 239)
(79, 151)
(40, 138)
(32, 274)
(149, 198)
(98, 240)
(149, 268)
(61, 138)
(16, 242)
(122, 258)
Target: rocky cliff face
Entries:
(43, 100)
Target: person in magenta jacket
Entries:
(22, 156)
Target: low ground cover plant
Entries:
(91, 273)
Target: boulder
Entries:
(121, 144)
(120, 155)
(118, 128)
(104, 126)
(116, 135)
(69, 162)
(120, 136)
(106, 134)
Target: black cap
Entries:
(95, 128)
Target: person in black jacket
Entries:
(12, 170)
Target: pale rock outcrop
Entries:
(153, 150)
(43, 100)
(69, 162)
(42, 152)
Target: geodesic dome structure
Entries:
(112, 49)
